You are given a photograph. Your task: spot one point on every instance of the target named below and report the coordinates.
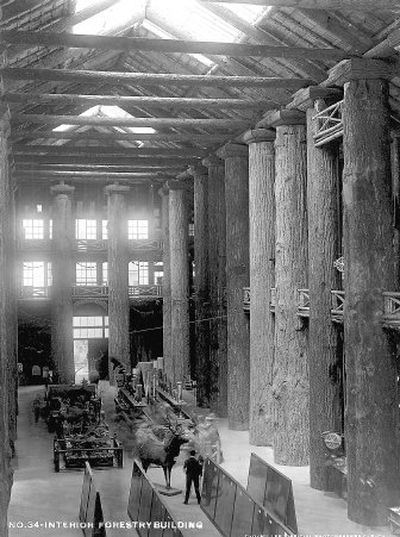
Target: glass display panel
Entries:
(210, 487)
(277, 494)
(259, 521)
(257, 479)
(242, 514)
(225, 503)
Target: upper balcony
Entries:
(87, 292)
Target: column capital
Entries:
(254, 136)
(116, 188)
(163, 190)
(358, 69)
(212, 161)
(233, 150)
(198, 170)
(306, 97)
(277, 118)
(62, 188)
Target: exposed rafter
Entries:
(152, 79)
(360, 5)
(129, 44)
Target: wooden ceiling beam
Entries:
(130, 44)
(93, 136)
(352, 5)
(87, 176)
(152, 79)
(101, 151)
(153, 122)
(173, 103)
(106, 160)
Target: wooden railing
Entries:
(246, 298)
(145, 290)
(303, 304)
(391, 309)
(337, 309)
(34, 292)
(329, 124)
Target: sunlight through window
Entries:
(119, 15)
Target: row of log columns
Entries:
(262, 279)
(8, 326)
(200, 177)
(371, 421)
(290, 378)
(237, 277)
(118, 291)
(178, 242)
(217, 284)
(166, 284)
(323, 248)
(63, 269)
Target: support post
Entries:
(166, 283)
(8, 325)
(262, 279)
(325, 363)
(372, 411)
(118, 290)
(62, 343)
(217, 284)
(237, 277)
(178, 241)
(200, 175)
(291, 387)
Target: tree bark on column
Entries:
(201, 284)
(395, 164)
(237, 277)
(7, 326)
(371, 419)
(178, 240)
(166, 284)
(262, 279)
(118, 290)
(217, 285)
(291, 386)
(62, 343)
(325, 363)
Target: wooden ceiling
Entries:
(187, 105)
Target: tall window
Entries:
(33, 274)
(138, 229)
(104, 229)
(95, 327)
(85, 229)
(86, 273)
(138, 272)
(158, 272)
(33, 228)
(50, 229)
(104, 273)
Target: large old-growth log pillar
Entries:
(291, 431)
(217, 284)
(118, 291)
(262, 279)
(8, 324)
(62, 344)
(178, 242)
(166, 284)
(237, 277)
(325, 366)
(371, 419)
(200, 176)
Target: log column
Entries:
(237, 277)
(262, 279)
(325, 363)
(62, 343)
(178, 242)
(200, 175)
(217, 284)
(8, 325)
(166, 287)
(291, 388)
(371, 419)
(118, 291)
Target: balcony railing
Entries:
(329, 124)
(337, 309)
(34, 292)
(83, 245)
(89, 291)
(246, 299)
(303, 307)
(145, 290)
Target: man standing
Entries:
(194, 470)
